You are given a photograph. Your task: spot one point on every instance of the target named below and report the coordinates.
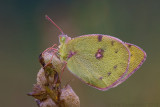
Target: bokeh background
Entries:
(24, 33)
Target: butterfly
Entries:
(101, 61)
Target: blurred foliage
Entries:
(25, 33)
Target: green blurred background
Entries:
(25, 33)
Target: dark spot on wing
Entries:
(100, 78)
(41, 60)
(116, 51)
(131, 54)
(112, 43)
(109, 73)
(99, 54)
(71, 54)
(115, 67)
(100, 38)
(129, 46)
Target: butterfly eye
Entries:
(63, 39)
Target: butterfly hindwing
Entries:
(137, 57)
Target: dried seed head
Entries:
(38, 92)
(41, 79)
(46, 103)
(69, 98)
(48, 91)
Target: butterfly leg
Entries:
(50, 48)
(65, 64)
(55, 50)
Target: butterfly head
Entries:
(63, 38)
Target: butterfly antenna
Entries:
(49, 19)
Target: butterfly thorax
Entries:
(63, 39)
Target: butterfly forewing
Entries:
(98, 60)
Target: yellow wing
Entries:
(98, 60)
(138, 56)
